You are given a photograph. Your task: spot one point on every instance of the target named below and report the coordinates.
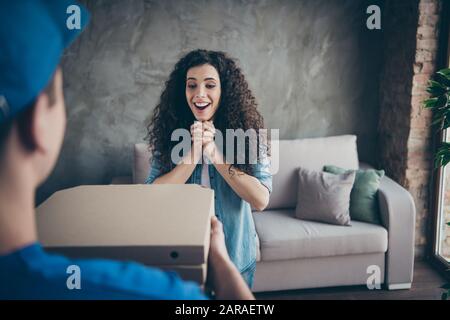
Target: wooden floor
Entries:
(425, 287)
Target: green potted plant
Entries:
(439, 103)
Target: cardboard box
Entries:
(191, 273)
(157, 225)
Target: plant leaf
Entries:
(442, 157)
(444, 72)
(437, 102)
(430, 103)
(435, 84)
(446, 286)
(442, 102)
(435, 88)
(443, 79)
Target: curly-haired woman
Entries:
(206, 92)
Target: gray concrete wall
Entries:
(312, 64)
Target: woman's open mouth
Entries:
(201, 105)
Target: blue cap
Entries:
(33, 36)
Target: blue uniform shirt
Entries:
(31, 273)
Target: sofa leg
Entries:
(399, 286)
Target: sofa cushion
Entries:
(324, 197)
(141, 165)
(364, 197)
(283, 237)
(312, 154)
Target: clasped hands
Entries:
(202, 136)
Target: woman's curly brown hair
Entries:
(237, 107)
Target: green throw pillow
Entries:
(364, 195)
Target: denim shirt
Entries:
(234, 213)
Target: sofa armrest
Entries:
(122, 180)
(398, 214)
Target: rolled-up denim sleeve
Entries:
(263, 174)
(155, 169)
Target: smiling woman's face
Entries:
(203, 91)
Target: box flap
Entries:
(153, 224)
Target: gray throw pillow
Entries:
(364, 196)
(324, 196)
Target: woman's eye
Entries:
(210, 86)
(191, 86)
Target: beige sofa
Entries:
(295, 254)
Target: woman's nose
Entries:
(201, 92)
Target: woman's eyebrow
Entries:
(208, 78)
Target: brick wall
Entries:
(411, 38)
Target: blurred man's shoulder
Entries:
(32, 273)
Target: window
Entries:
(440, 247)
(442, 231)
